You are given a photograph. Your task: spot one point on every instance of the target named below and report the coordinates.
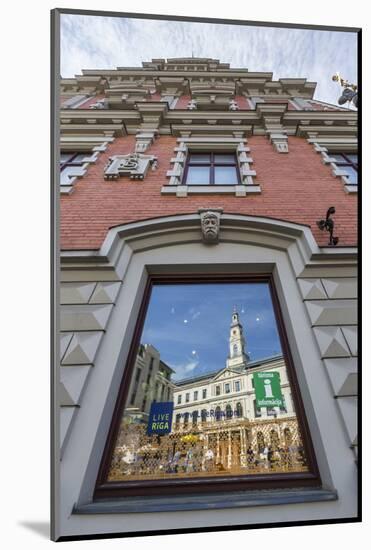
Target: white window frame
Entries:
(185, 146)
(337, 147)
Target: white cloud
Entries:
(184, 370)
(107, 42)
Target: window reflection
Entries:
(247, 423)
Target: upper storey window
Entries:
(68, 163)
(211, 169)
(348, 162)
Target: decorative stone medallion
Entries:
(134, 165)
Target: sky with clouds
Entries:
(92, 42)
(190, 324)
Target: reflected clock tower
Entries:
(238, 358)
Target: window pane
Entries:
(202, 158)
(224, 159)
(352, 173)
(353, 158)
(65, 157)
(161, 436)
(198, 175)
(80, 157)
(65, 174)
(225, 175)
(338, 158)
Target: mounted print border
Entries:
(204, 233)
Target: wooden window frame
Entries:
(211, 165)
(202, 485)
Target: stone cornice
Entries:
(156, 115)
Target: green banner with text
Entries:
(267, 387)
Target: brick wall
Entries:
(295, 187)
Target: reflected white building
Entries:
(228, 393)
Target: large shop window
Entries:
(224, 340)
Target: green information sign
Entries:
(267, 387)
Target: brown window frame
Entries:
(211, 165)
(113, 490)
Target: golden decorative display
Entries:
(229, 447)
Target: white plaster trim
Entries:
(185, 190)
(80, 171)
(236, 144)
(257, 229)
(336, 170)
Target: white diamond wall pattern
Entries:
(339, 370)
(82, 348)
(312, 289)
(66, 415)
(340, 288)
(80, 318)
(331, 342)
(65, 400)
(348, 408)
(74, 380)
(74, 293)
(105, 293)
(350, 386)
(332, 312)
(351, 336)
(65, 339)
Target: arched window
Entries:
(203, 415)
(228, 412)
(186, 418)
(235, 349)
(177, 419)
(194, 417)
(217, 413)
(239, 410)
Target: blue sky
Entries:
(92, 42)
(189, 324)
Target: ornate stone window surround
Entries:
(185, 145)
(288, 252)
(336, 170)
(80, 171)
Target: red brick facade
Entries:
(290, 139)
(295, 187)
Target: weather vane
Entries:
(350, 92)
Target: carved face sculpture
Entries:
(210, 226)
